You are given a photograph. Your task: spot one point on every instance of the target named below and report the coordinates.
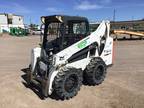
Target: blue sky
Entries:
(94, 10)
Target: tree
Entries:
(33, 27)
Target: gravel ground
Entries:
(122, 88)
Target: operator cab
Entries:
(62, 31)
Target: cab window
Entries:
(79, 28)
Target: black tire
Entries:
(95, 72)
(67, 83)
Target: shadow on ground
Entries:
(129, 39)
(35, 88)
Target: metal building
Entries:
(133, 25)
(10, 20)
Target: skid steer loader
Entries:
(70, 55)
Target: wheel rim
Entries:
(99, 71)
(71, 83)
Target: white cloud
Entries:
(106, 1)
(86, 5)
(125, 6)
(20, 9)
(15, 8)
(52, 9)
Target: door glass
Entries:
(79, 28)
(53, 31)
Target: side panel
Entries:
(107, 54)
(80, 63)
(3, 19)
(4, 23)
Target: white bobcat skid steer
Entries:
(70, 55)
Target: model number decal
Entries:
(82, 44)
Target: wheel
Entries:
(67, 83)
(29, 75)
(95, 72)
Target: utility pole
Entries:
(30, 21)
(114, 15)
(132, 18)
(133, 22)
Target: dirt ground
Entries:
(122, 88)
